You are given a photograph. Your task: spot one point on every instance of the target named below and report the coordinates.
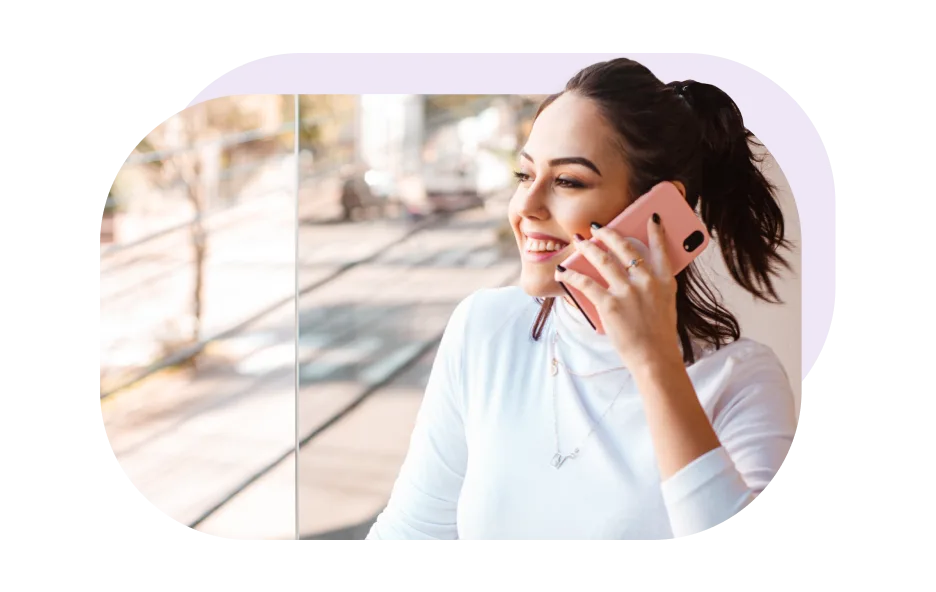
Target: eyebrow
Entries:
(567, 160)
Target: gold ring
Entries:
(634, 263)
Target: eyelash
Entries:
(568, 183)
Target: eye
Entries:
(570, 183)
(521, 176)
(562, 182)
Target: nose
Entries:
(532, 201)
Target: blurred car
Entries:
(452, 188)
(357, 194)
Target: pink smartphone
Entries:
(686, 238)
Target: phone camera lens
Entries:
(693, 241)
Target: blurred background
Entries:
(197, 285)
(402, 203)
(429, 204)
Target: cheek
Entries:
(513, 213)
(576, 217)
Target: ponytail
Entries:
(692, 132)
(737, 202)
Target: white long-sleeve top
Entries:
(478, 464)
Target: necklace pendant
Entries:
(554, 367)
(558, 459)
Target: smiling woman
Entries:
(561, 185)
(670, 421)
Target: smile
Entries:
(539, 250)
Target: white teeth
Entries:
(541, 246)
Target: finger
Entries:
(625, 251)
(657, 234)
(605, 262)
(584, 284)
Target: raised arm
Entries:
(424, 500)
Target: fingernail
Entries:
(656, 218)
(596, 226)
(579, 237)
(560, 268)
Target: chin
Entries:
(539, 286)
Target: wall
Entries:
(778, 326)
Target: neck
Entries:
(572, 319)
(583, 351)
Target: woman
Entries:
(667, 424)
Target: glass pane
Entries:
(403, 202)
(197, 316)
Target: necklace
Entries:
(558, 458)
(555, 362)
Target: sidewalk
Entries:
(345, 477)
(187, 441)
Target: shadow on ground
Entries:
(342, 326)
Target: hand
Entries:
(638, 309)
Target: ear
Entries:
(680, 186)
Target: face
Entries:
(570, 174)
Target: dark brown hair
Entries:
(692, 132)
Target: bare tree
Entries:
(206, 158)
(186, 139)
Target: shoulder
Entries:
(489, 320)
(744, 384)
(490, 310)
(504, 298)
(485, 329)
(743, 355)
(740, 367)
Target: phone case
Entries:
(686, 238)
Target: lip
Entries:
(541, 236)
(545, 256)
